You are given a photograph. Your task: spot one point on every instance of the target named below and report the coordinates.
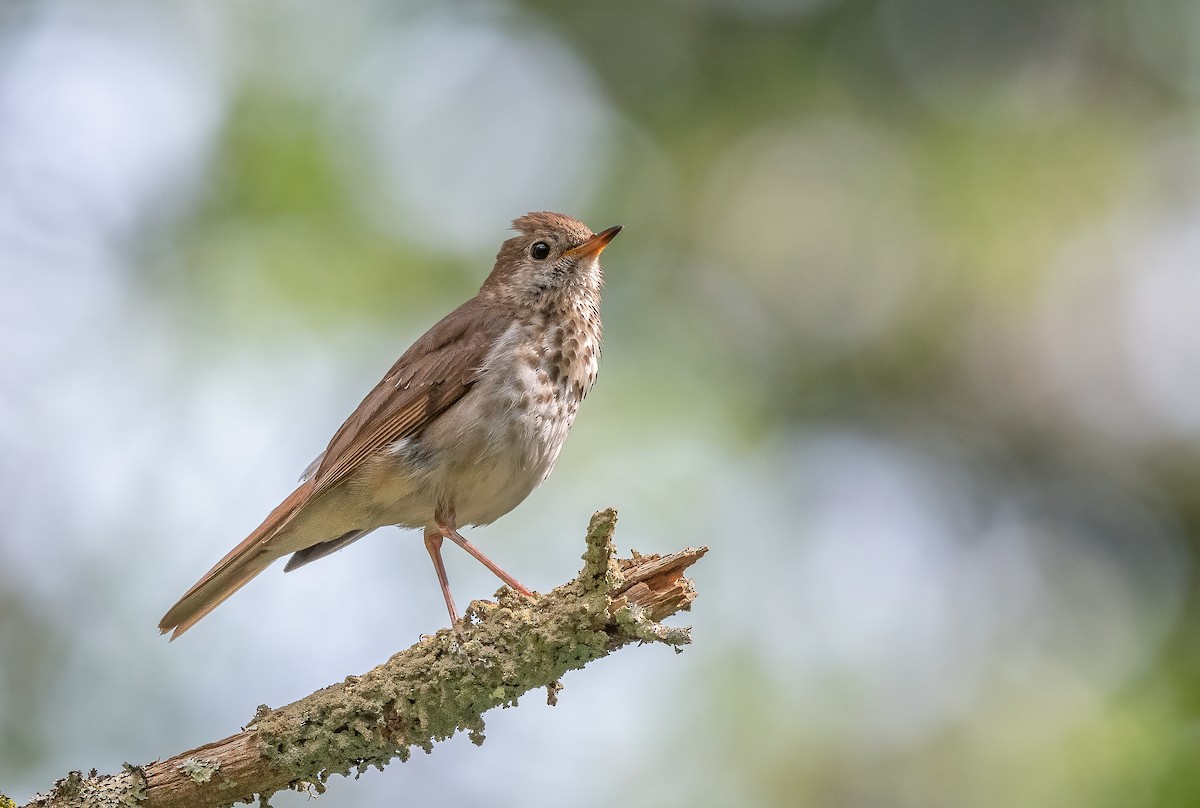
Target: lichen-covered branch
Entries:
(442, 685)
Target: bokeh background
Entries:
(903, 324)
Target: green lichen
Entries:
(447, 681)
(199, 770)
(634, 622)
(124, 790)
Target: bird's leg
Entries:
(433, 543)
(447, 530)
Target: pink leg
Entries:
(433, 543)
(446, 529)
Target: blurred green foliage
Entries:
(944, 227)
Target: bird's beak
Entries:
(596, 244)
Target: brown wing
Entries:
(431, 375)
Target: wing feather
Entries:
(434, 373)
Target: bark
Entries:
(442, 685)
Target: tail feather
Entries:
(210, 593)
(235, 570)
(312, 553)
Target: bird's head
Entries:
(553, 257)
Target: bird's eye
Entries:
(539, 250)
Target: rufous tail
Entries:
(235, 570)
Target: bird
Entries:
(466, 423)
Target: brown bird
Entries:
(466, 423)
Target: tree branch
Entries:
(441, 685)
